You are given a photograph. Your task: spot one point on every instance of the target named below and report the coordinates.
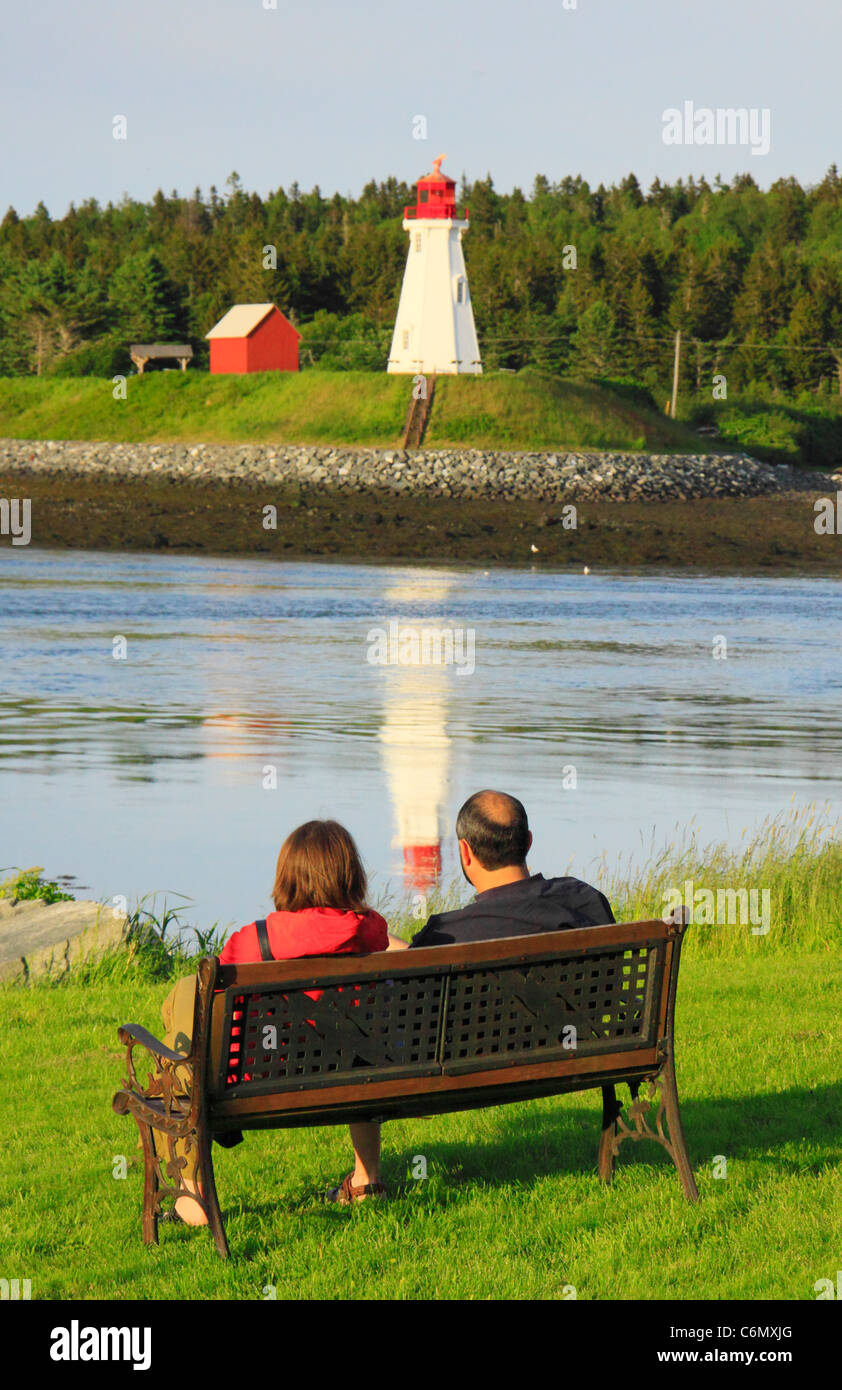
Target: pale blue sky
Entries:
(325, 91)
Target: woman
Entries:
(320, 910)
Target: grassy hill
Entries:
(522, 412)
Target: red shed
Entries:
(254, 338)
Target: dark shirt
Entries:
(530, 905)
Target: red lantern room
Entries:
(421, 866)
(436, 195)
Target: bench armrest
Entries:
(168, 1099)
(133, 1033)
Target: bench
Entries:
(405, 1034)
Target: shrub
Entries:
(28, 883)
(104, 357)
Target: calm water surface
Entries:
(247, 703)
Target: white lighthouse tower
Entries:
(434, 330)
(414, 735)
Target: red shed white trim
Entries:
(253, 338)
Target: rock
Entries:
(460, 473)
(39, 939)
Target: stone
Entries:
(464, 473)
(40, 939)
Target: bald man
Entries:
(494, 840)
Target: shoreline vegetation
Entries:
(793, 859)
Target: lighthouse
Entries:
(434, 330)
(416, 753)
(414, 736)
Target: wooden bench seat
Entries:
(408, 1034)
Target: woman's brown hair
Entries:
(319, 866)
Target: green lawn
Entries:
(527, 411)
(511, 1207)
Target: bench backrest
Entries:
(559, 1003)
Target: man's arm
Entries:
(427, 935)
(396, 944)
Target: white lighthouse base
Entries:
(434, 329)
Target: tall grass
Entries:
(796, 856)
(406, 913)
(805, 430)
(159, 945)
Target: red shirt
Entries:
(312, 931)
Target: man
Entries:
(494, 840)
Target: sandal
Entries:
(346, 1193)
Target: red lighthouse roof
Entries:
(436, 194)
(421, 866)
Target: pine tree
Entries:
(144, 306)
(595, 347)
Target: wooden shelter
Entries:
(141, 353)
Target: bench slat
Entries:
(313, 972)
(399, 1096)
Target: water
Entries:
(155, 772)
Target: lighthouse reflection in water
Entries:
(422, 661)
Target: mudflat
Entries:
(768, 532)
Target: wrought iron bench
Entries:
(413, 1033)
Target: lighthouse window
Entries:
(461, 291)
(405, 339)
(418, 241)
(422, 195)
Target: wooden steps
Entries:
(418, 415)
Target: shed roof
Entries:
(240, 321)
(162, 349)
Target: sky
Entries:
(330, 92)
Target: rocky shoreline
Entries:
(432, 473)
